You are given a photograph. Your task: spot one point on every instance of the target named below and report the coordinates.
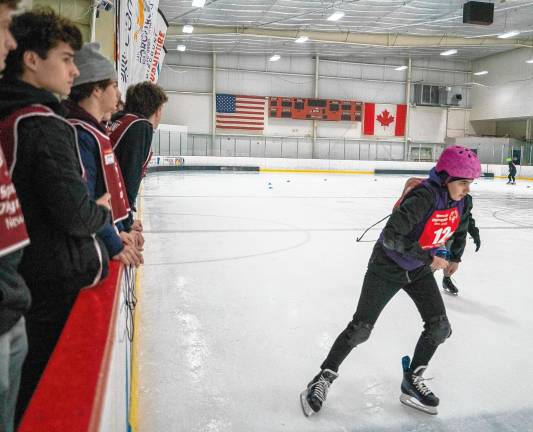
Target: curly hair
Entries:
(39, 31)
(144, 99)
(12, 4)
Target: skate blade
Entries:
(308, 411)
(416, 404)
(450, 293)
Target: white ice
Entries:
(250, 277)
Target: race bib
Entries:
(439, 228)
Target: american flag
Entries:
(241, 112)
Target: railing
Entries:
(171, 143)
(85, 386)
(180, 144)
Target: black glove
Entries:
(475, 237)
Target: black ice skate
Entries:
(317, 390)
(448, 286)
(415, 393)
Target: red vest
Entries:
(9, 132)
(114, 183)
(9, 140)
(118, 130)
(13, 234)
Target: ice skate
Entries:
(448, 286)
(315, 394)
(415, 393)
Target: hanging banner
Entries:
(141, 38)
(159, 51)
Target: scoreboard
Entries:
(314, 109)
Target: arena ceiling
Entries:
(369, 28)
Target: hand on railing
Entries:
(133, 238)
(130, 256)
(137, 225)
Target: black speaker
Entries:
(475, 12)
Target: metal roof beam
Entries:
(348, 38)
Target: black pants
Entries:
(375, 295)
(511, 178)
(44, 323)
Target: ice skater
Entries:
(512, 172)
(405, 257)
(456, 247)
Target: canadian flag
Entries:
(384, 119)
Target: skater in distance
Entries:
(404, 258)
(512, 171)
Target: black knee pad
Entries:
(438, 329)
(358, 332)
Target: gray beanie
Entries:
(93, 65)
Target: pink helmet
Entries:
(459, 162)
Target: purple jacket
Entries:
(441, 202)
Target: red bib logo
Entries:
(439, 228)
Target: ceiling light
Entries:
(187, 29)
(275, 57)
(449, 52)
(509, 34)
(335, 16)
(529, 61)
(481, 73)
(302, 39)
(400, 68)
(198, 3)
(476, 84)
(181, 48)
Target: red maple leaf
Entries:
(385, 118)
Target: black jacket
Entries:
(60, 216)
(414, 210)
(133, 150)
(458, 241)
(14, 294)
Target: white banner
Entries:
(141, 36)
(158, 54)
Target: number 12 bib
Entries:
(439, 228)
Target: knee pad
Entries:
(358, 332)
(438, 329)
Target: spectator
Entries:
(132, 133)
(61, 217)
(14, 294)
(94, 94)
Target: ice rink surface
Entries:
(250, 277)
